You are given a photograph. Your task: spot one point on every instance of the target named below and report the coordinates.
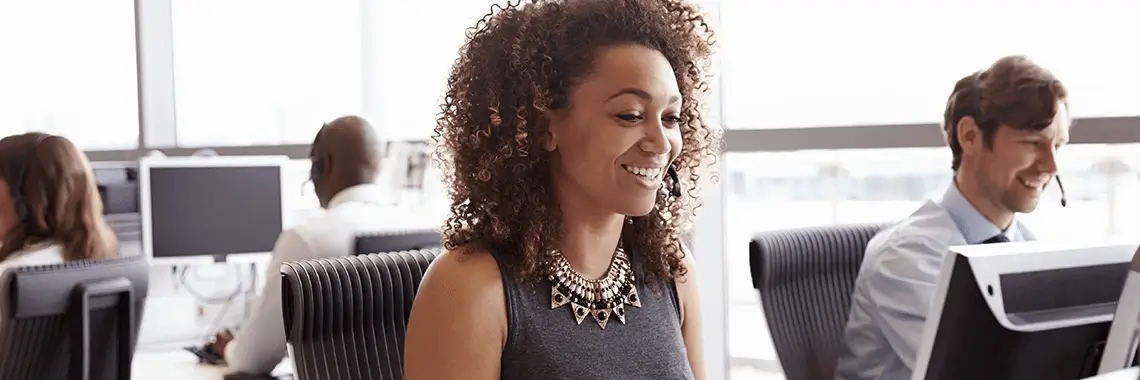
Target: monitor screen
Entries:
(213, 210)
(395, 241)
(118, 186)
(1023, 311)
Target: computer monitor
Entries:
(118, 186)
(118, 183)
(397, 240)
(1123, 374)
(76, 320)
(1124, 335)
(194, 207)
(1029, 310)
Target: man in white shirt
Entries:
(345, 160)
(1004, 126)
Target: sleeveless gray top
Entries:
(549, 344)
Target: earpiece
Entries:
(317, 169)
(1064, 199)
(19, 199)
(675, 187)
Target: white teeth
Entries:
(1032, 185)
(648, 173)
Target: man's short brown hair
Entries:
(1014, 92)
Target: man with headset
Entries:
(1004, 126)
(345, 161)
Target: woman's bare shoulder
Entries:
(458, 323)
(467, 277)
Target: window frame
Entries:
(158, 127)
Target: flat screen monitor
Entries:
(1124, 336)
(1021, 311)
(395, 241)
(211, 206)
(1122, 374)
(118, 186)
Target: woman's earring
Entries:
(629, 220)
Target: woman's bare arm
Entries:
(691, 330)
(458, 322)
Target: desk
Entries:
(182, 365)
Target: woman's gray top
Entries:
(549, 344)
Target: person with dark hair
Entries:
(572, 141)
(1004, 126)
(50, 209)
(345, 159)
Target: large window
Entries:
(829, 63)
(261, 72)
(780, 190)
(68, 68)
(415, 49)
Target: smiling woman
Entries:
(561, 209)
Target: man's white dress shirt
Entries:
(896, 283)
(259, 345)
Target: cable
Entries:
(207, 299)
(216, 324)
(227, 299)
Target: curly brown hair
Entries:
(518, 62)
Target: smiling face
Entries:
(1014, 170)
(612, 144)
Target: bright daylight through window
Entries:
(791, 64)
(70, 73)
(271, 82)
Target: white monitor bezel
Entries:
(150, 162)
(1121, 345)
(990, 261)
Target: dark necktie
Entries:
(999, 238)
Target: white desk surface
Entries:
(182, 365)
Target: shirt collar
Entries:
(367, 193)
(974, 227)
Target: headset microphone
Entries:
(675, 187)
(1064, 200)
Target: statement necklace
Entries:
(604, 298)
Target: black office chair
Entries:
(397, 240)
(77, 320)
(345, 317)
(806, 277)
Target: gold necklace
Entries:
(603, 298)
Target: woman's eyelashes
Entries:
(631, 117)
(636, 117)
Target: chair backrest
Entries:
(345, 317)
(806, 277)
(53, 309)
(397, 240)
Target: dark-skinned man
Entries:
(345, 161)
